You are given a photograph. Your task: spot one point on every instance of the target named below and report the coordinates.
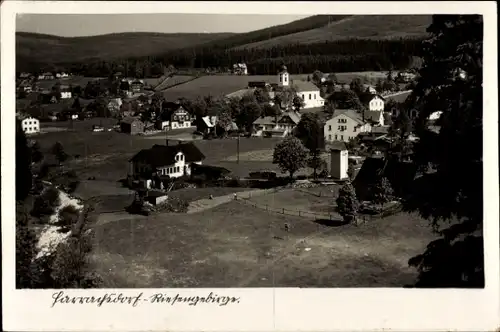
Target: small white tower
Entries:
(339, 161)
(283, 76)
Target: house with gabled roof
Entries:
(276, 126)
(164, 161)
(173, 116)
(345, 125)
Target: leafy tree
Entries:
(317, 76)
(298, 103)
(389, 85)
(379, 86)
(224, 119)
(332, 77)
(316, 163)
(290, 155)
(347, 99)
(25, 249)
(329, 108)
(59, 153)
(286, 96)
(234, 107)
(456, 259)
(67, 217)
(382, 192)
(347, 203)
(357, 86)
(310, 131)
(45, 203)
(268, 110)
(249, 113)
(24, 177)
(36, 153)
(351, 171)
(69, 266)
(262, 96)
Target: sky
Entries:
(72, 25)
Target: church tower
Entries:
(283, 76)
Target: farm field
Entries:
(173, 81)
(237, 245)
(74, 80)
(221, 85)
(217, 85)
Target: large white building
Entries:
(30, 125)
(345, 125)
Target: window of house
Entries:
(335, 137)
(281, 78)
(302, 97)
(309, 96)
(329, 128)
(314, 96)
(354, 130)
(341, 137)
(329, 137)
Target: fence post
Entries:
(299, 213)
(283, 211)
(267, 207)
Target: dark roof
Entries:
(400, 97)
(199, 169)
(257, 84)
(130, 120)
(162, 155)
(338, 146)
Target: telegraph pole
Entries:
(238, 149)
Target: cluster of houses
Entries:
(240, 69)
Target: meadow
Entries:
(238, 245)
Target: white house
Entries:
(65, 92)
(30, 125)
(376, 103)
(345, 125)
(164, 161)
(339, 161)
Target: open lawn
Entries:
(236, 245)
(105, 155)
(291, 201)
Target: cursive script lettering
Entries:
(61, 298)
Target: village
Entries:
(275, 137)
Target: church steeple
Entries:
(283, 76)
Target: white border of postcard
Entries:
(259, 309)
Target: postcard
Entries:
(249, 166)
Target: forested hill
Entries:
(42, 48)
(358, 26)
(330, 43)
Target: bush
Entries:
(45, 203)
(67, 217)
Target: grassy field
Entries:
(218, 85)
(105, 155)
(236, 245)
(74, 80)
(173, 81)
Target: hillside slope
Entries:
(55, 49)
(359, 26)
(276, 31)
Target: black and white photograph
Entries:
(212, 150)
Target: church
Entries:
(307, 91)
